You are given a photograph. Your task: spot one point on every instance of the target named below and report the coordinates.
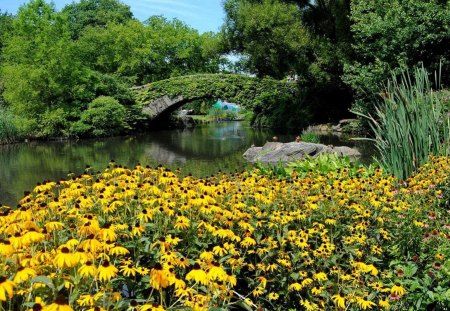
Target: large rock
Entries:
(274, 152)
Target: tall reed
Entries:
(8, 130)
(410, 123)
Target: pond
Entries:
(201, 151)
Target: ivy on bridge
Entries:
(251, 93)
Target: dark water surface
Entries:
(201, 151)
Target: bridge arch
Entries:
(165, 96)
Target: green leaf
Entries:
(44, 280)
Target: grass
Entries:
(409, 124)
(8, 130)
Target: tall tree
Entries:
(270, 33)
(95, 13)
(177, 49)
(40, 68)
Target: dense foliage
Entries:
(54, 63)
(265, 97)
(339, 52)
(395, 35)
(145, 238)
(316, 53)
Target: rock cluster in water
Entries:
(274, 152)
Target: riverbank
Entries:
(201, 151)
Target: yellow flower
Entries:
(440, 256)
(159, 278)
(339, 301)
(397, 289)
(24, 274)
(295, 287)
(65, 259)
(258, 291)
(198, 275)
(309, 306)
(38, 305)
(54, 226)
(365, 304)
(60, 304)
(273, 296)
(6, 249)
(317, 290)
(106, 271)
(320, 276)
(6, 288)
(118, 250)
(216, 272)
(384, 303)
(87, 270)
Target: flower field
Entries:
(148, 239)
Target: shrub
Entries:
(310, 137)
(105, 116)
(410, 123)
(52, 123)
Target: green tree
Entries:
(270, 33)
(6, 21)
(40, 69)
(5, 30)
(176, 49)
(393, 35)
(118, 49)
(95, 13)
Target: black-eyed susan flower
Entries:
(197, 275)
(61, 303)
(6, 249)
(88, 269)
(24, 274)
(106, 271)
(118, 250)
(339, 301)
(365, 303)
(65, 259)
(216, 272)
(397, 289)
(128, 269)
(38, 305)
(6, 288)
(159, 277)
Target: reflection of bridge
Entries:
(165, 96)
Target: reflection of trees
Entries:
(202, 151)
(220, 139)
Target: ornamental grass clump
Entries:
(147, 239)
(409, 124)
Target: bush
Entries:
(410, 124)
(52, 123)
(105, 116)
(310, 137)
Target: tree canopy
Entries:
(54, 64)
(395, 35)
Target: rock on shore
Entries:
(273, 152)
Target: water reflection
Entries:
(201, 151)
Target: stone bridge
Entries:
(165, 96)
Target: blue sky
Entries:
(204, 15)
